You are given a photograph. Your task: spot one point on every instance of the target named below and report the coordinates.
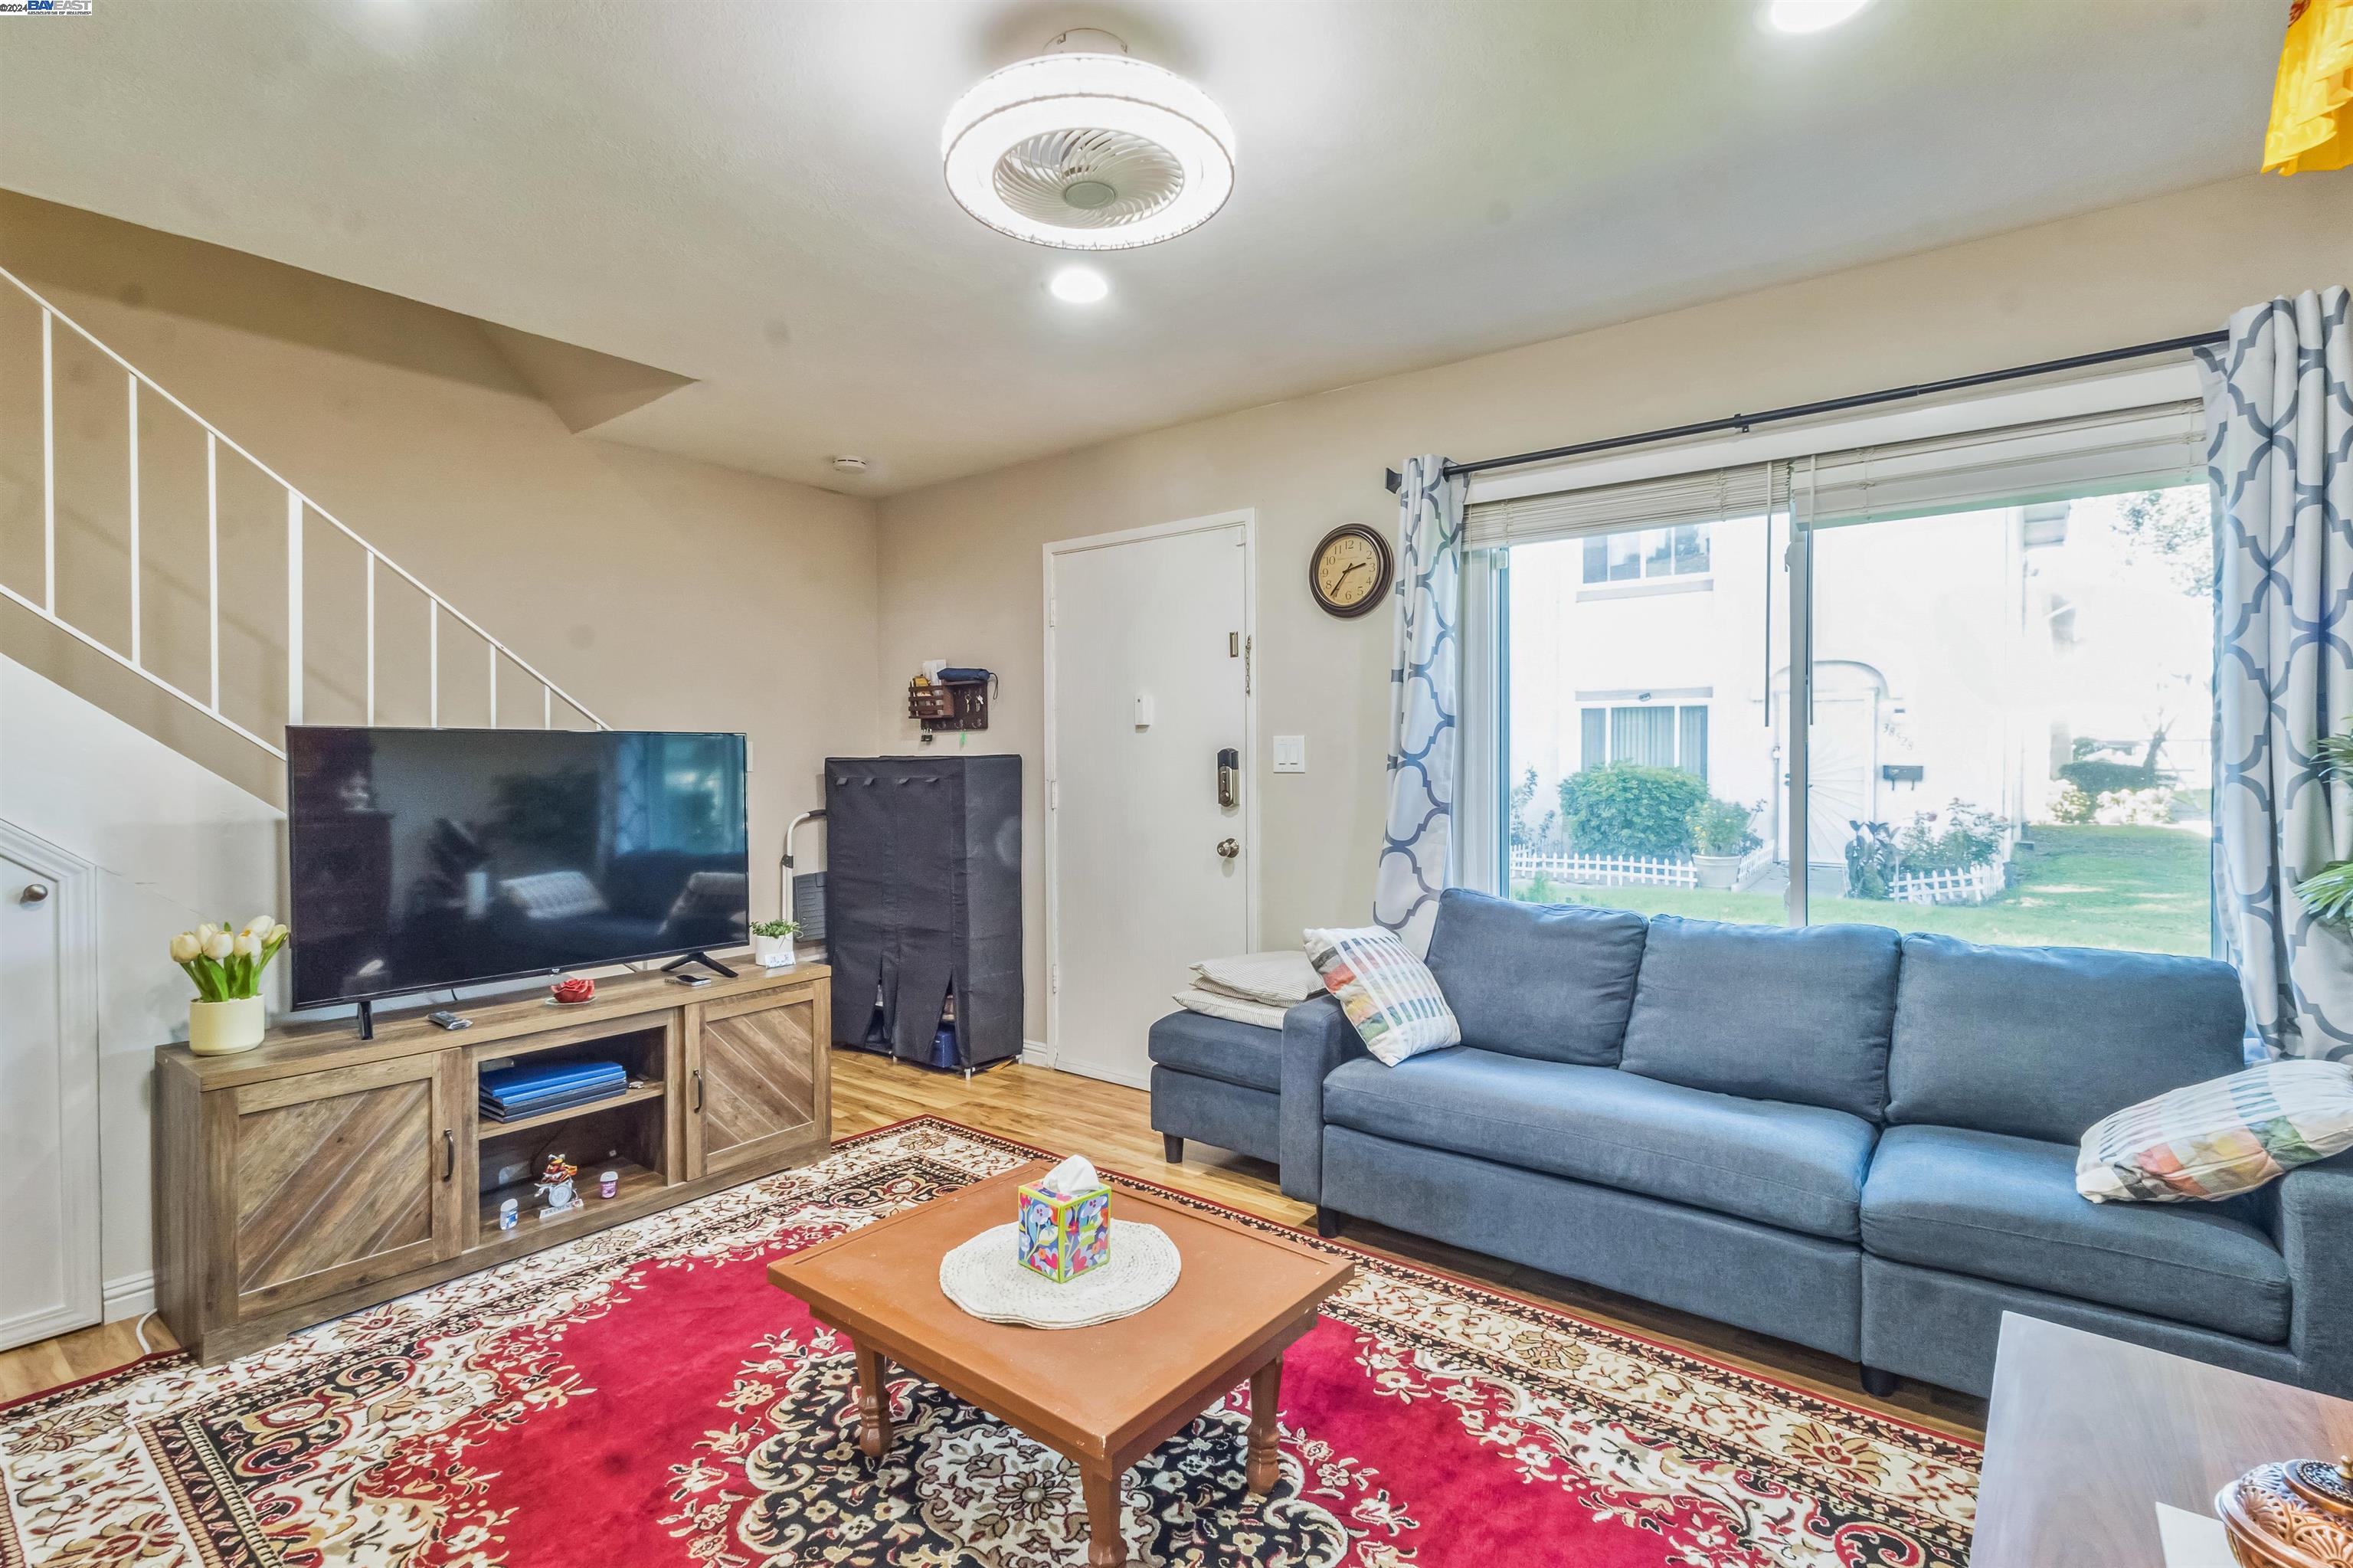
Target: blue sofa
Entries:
(1861, 1141)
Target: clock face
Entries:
(1350, 571)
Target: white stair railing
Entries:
(138, 383)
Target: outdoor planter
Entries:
(1718, 872)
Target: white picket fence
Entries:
(1604, 870)
(1974, 886)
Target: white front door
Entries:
(1147, 658)
(49, 1279)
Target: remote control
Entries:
(691, 979)
(447, 1020)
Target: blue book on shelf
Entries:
(593, 1095)
(522, 1085)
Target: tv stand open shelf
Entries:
(319, 1173)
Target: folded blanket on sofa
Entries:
(1284, 980)
(1220, 1004)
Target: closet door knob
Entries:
(34, 893)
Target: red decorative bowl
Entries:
(573, 989)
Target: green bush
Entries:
(1721, 827)
(1627, 809)
(1955, 838)
(2096, 779)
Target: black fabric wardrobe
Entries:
(923, 894)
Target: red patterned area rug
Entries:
(644, 1396)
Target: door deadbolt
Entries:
(1228, 849)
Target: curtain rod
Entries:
(1740, 423)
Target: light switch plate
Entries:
(1291, 753)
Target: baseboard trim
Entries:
(1037, 1054)
(130, 1296)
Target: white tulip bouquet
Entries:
(226, 964)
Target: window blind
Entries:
(2057, 460)
(2132, 449)
(1702, 497)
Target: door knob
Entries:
(1228, 849)
(35, 892)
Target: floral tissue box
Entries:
(1065, 1218)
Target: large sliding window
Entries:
(1959, 684)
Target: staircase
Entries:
(94, 526)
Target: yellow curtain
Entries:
(2312, 102)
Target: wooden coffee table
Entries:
(1105, 1396)
(2087, 1435)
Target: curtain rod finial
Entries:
(1392, 479)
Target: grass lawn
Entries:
(2143, 888)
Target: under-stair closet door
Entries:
(49, 1094)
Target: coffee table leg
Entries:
(1105, 1546)
(873, 1404)
(1266, 1393)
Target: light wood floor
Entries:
(1112, 1125)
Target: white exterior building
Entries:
(1955, 657)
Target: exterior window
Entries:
(2006, 731)
(1647, 552)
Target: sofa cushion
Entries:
(1554, 981)
(2214, 1139)
(2002, 1208)
(2042, 1042)
(1797, 1167)
(1218, 1048)
(1763, 1010)
(1390, 997)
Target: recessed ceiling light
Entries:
(1085, 149)
(1811, 16)
(1079, 285)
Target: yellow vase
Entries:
(224, 1028)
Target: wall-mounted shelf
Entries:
(949, 705)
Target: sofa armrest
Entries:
(2316, 1236)
(1317, 1038)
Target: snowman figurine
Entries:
(555, 1185)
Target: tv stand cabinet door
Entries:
(758, 1093)
(340, 1178)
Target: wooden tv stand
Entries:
(319, 1173)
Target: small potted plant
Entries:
(1720, 836)
(771, 944)
(226, 965)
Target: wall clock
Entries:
(1349, 571)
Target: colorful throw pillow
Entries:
(1387, 993)
(2213, 1140)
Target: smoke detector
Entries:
(1084, 148)
(850, 465)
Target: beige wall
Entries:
(663, 593)
(961, 567)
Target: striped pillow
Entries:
(2213, 1140)
(1387, 993)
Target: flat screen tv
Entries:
(427, 858)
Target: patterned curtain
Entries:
(1424, 680)
(2279, 422)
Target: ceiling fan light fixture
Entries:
(1087, 148)
(1809, 16)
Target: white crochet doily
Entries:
(986, 1278)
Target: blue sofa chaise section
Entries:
(1218, 1081)
(1861, 1141)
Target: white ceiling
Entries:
(749, 194)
